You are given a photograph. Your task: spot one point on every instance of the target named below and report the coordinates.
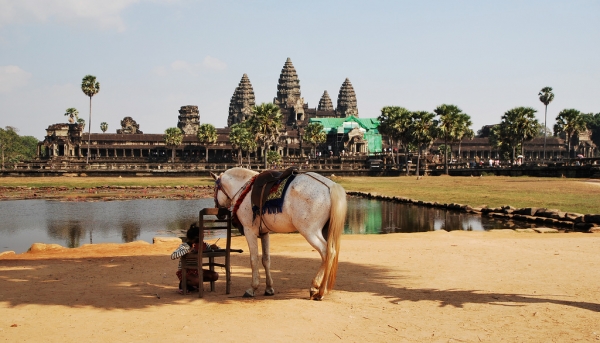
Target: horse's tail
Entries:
(337, 217)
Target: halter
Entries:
(219, 187)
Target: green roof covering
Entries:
(333, 125)
(345, 125)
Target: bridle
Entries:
(219, 187)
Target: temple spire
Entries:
(288, 88)
(242, 101)
(325, 103)
(346, 103)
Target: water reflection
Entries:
(130, 231)
(72, 224)
(368, 216)
(71, 232)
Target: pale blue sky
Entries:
(152, 57)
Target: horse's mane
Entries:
(241, 173)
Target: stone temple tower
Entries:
(325, 103)
(288, 94)
(189, 119)
(242, 101)
(346, 103)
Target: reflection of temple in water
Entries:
(71, 231)
(130, 231)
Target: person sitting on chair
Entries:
(193, 240)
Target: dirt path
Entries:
(420, 287)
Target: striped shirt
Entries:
(185, 248)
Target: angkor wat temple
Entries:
(69, 142)
(347, 134)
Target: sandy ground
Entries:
(419, 287)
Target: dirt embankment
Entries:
(106, 192)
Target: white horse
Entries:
(311, 202)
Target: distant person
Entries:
(193, 238)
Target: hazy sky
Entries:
(153, 56)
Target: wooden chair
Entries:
(196, 260)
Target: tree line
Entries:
(416, 130)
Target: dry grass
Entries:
(571, 195)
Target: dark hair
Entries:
(193, 233)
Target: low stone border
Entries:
(543, 216)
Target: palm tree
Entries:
(517, 126)
(90, 87)
(449, 118)
(237, 136)
(423, 131)
(207, 135)
(395, 121)
(73, 114)
(265, 124)
(570, 121)
(314, 135)
(173, 138)
(104, 126)
(546, 97)
(81, 122)
(462, 130)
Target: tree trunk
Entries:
(418, 161)
(87, 160)
(265, 155)
(446, 152)
(206, 156)
(173, 155)
(545, 130)
(240, 156)
(406, 158)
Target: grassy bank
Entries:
(571, 195)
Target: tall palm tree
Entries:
(207, 135)
(517, 126)
(173, 138)
(448, 119)
(395, 121)
(424, 130)
(104, 126)
(265, 124)
(462, 130)
(90, 87)
(570, 121)
(73, 114)
(314, 135)
(546, 97)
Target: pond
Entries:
(72, 224)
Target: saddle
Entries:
(265, 181)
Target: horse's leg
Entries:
(318, 242)
(253, 248)
(266, 261)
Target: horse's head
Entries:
(222, 199)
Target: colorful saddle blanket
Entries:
(274, 197)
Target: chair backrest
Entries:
(216, 223)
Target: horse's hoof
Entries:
(248, 295)
(313, 293)
(269, 294)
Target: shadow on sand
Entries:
(144, 281)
